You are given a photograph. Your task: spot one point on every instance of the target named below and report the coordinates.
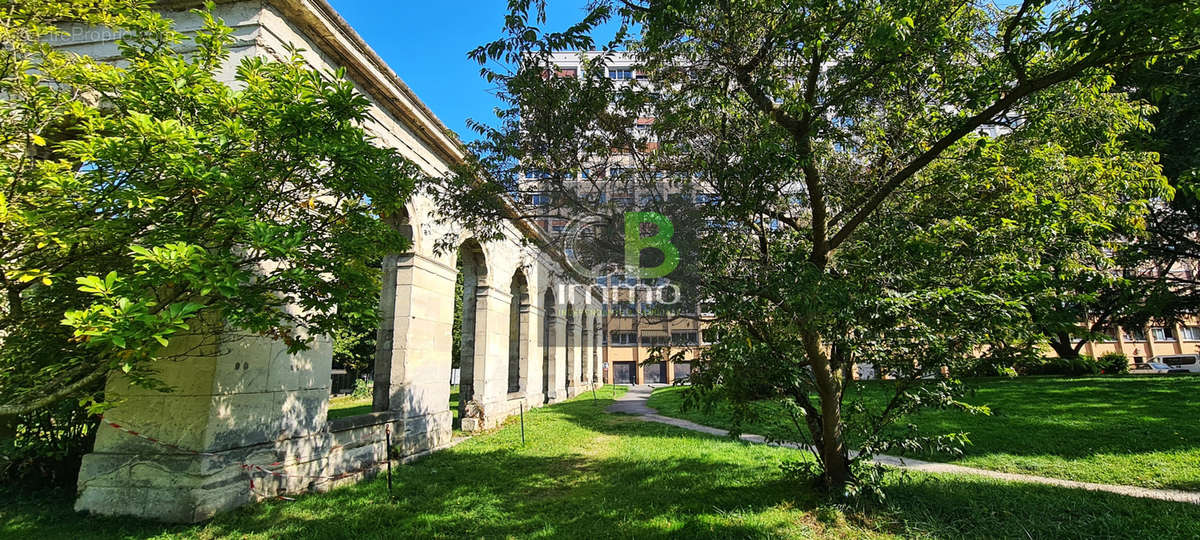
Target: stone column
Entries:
(235, 399)
(489, 381)
(598, 353)
(574, 355)
(532, 318)
(525, 345)
(585, 353)
(413, 349)
(558, 358)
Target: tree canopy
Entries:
(897, 183)
(143, 196)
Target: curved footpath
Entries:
(634, 402)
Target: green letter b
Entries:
(635, 243)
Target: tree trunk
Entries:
(1062, 346)
(831, 444)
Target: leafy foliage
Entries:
(1170, 251)
(888, 183)
(48, 446)
(1114, 363)
(146, 198)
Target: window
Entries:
(655, 341)
(621, 74)
(1176, 361)
(615, 172)
(1191, 333)
(624, 338)
(684, 339)
(1163, 333)
(1134, 334)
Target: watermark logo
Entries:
(661, 240)
(619, 266)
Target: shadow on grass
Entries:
(970, 507)
(586, 473)
(1070, 418)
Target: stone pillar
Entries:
(489, 381)
(598, 352)
(574, 356)
(533, 320)
(412, 353)
(525, 344)
(558, 359)
(235, 399)
(585, 353)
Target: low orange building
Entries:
(1142, 344)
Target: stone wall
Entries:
(247, 420)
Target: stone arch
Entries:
(403, 220)
(518, 333)
(472, 264)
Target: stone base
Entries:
(187, 488)
(178, 488)
(556, 395)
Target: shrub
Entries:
(47, 445)
(363, 389)
(1081, 365)
(1114, 363)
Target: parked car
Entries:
(1189, 363)
(1153, 368)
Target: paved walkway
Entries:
(634, 402)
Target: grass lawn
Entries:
(343, 406)
(1142, 431)
(586, 474)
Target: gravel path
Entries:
(634, 402)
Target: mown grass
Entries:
(586, 474)
(343, 406)
(1117, 430)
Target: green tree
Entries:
(1084, 275)
(1172, 86)
(141, 197)
(875, 176)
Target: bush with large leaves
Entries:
(140, 197)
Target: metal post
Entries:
(388, 453)
(522, 423)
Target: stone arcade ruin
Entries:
(248, 421)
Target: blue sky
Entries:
(426, 43)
